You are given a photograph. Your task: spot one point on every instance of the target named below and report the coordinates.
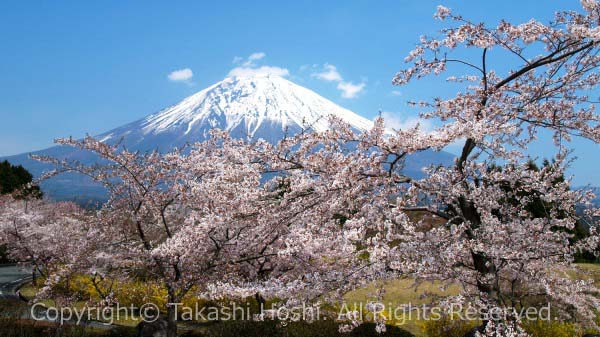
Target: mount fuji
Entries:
(267, 107)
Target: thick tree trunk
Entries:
(487, 278)
(171, 322)
(487, 282)
(261, 302)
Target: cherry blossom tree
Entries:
(38, 233)
(503, 254)
(491, 243)
(205, 219)
(169, 219)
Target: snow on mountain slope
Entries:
(267, 107)
(257, 107)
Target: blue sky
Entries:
(77, 67)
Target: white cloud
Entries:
(181, 75)
(396, 93)
(349, 89)
(305, 67)
(256, 56)
(394, 121)
(249, 68)
(249, 61)
(253, 71)
(331, 74)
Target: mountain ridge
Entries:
(268, 107)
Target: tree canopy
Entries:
(16, 179)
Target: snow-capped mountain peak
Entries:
(249, 106)
(256, 107)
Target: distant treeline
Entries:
(16, 179)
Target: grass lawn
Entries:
(590, 270)
(28, 291)
(401, 292)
